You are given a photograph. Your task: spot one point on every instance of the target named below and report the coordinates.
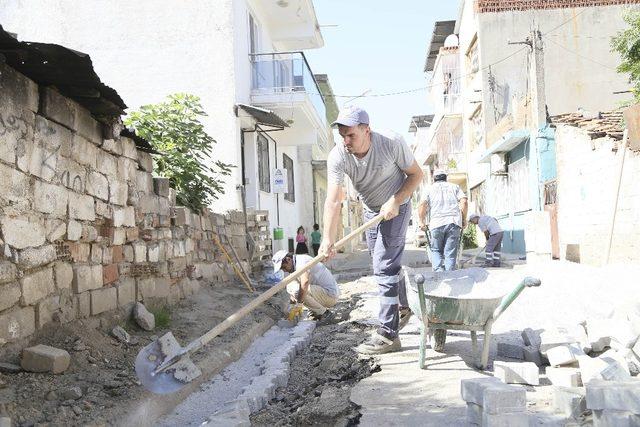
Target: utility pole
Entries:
(538, 113)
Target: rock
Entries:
(10, 368)
(71, 393)
(5, 422)
(51, 396)
(43, 358)
(79, 346)
(92, 359)
(122, 335)
(77, 410)
(143, 317)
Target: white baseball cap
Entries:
(351, 116)
(277, 259)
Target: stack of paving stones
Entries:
(262, 389)
(85, 227)
(258, 228)
(492, 403)
(593, 367)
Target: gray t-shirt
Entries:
(489, 223)
(319, 275)
(443, 198)
(378, 175)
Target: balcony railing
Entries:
(287, 72)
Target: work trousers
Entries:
(445, 243)
(386, 246)
(492, 250)
(317, 299)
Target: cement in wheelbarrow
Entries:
(468, 299)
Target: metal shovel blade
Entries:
(168, 380)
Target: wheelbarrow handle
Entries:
(508, 299)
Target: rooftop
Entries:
(423, 121)
(597, 125)
(486, 6)
(441, 30)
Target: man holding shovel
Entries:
(384, 173)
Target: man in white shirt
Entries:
(316, 289)
(446, 204)
(493, 233)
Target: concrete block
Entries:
(74, 230)
(9, 295)
(556, 337)
(96, 254)
(35, 257)
(139, 252)
(124, 216)
(8, 271)
(154, 252)
(37, 285)
(145, 319)
(118, 192)
(599, 332)
(51, 199)
(505, 420)
(144, 182)
(126, 291)
(55, 229)
(82, 207)
(43, 358)
(618, 368)
(564, 354)
(569, 401)
(19, 92)
(113, 146)
(104, 299)
(564, 377)
(17, 323)
(83, 303)
(614, 395)
(505, 399)
(110, 274)
(87, 126)
(86, 277)
(146, 161)
(98, 185)
(107, 164)
(472, 389)
(531, 337)
(72, 174)
(161, 186)
(89, 233)
(58, 108)
(14, 185)
(63, 273)
(474, 414)
(129, 148)
(84, 152)
(22, 232)
(624, 334)
(45, 310)
(516, 372)
(119, 236)
(512, 351)
(532, 354)
(608, 418)
(80, 252)
(149, 204)
(127, 252)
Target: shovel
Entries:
(164, 365)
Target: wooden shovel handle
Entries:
(235, 317)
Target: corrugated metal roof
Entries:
(264, 116)
(423, 121)
(441, 30)
(71, 72)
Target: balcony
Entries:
(284, 83)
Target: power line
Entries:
(581, 56)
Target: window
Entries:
(288, 165)
(473, 64)
(263, 163)
(254, 35)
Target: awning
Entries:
(509, 141)
(263, 116)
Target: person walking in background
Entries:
(316, 238)
(301, 242)
(446, 204)
(493, 233)
(384, 172)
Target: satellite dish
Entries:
(451, 41)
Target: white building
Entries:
(243, 58)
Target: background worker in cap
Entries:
(493, 233)
(384, 172)
(446, 204)
(316, 289)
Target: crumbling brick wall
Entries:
(588, 171)
(85, 227)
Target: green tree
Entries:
(627, 44)
(469, 239)
(186, 157)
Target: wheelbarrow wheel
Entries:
(439, 338)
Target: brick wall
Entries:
(85, 227)
(588, 171)
(484, 6)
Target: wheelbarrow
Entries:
(470, 299)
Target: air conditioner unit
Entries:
(498, 163)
